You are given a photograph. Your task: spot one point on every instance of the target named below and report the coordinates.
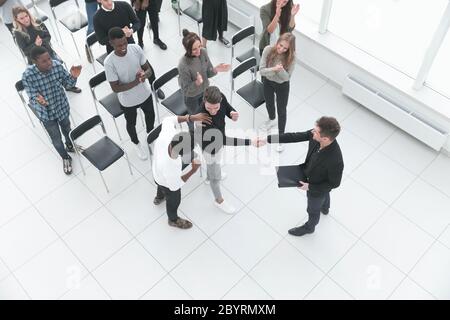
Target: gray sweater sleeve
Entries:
(210, 69)
(263, 68)
(187, 84)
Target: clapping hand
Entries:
(222, 67)
(128, 32)
(278, 67)
(199, 79)
(295, 9)
(75, 71)
(41, 100)
(234, 115)
(278, 9)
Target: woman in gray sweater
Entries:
(194, 70)
(276, 67)
(277, 17)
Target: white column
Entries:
(433, 49)
(325, 17)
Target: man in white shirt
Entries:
(127, 69)
(169, 148)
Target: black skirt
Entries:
(215, 18)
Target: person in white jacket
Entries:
(169, 148)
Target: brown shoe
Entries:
(180, 223)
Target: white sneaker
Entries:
(140, 151)
(268, 124)
(225, 207)
(223, 176)
(279, 147)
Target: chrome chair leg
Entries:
(128, 161)
(104, 183)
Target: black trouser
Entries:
(130, 114)
(281, 90)
(173, 199)
(153, 13)
(315, 204)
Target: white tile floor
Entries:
(387, 235)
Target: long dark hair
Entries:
(189, 39)
(285, 17)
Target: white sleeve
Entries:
(110, 72)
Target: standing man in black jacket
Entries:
(115, 14)
(323, 167)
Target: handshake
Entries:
(259, 142)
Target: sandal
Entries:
(180, 223)
(67, 166)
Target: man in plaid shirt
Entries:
(44, 82)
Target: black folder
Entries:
(289, 176)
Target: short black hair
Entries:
(182, 144)
(37, 51)
(212, 95)
(115, 33)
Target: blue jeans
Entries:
(91, 9)
(54, 132)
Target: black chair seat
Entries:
(103, 153)
(102, 58)
(194, 12)
(175, 103)
(74, 22)
(253, 52)
(112, 105)
(253, 93)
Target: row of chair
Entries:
(105, 151)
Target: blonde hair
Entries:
(17, 25)
(289, 56)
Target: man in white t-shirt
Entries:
(169, 148)
(127, 69)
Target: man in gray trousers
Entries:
(212, 138)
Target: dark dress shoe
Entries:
(325, 211)
(161, 44)
(299, 231)
(74, 89)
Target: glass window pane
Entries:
(397, 32)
